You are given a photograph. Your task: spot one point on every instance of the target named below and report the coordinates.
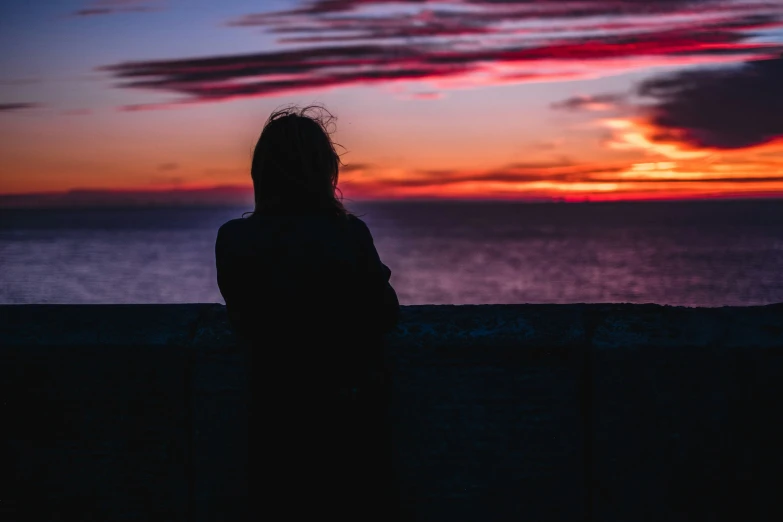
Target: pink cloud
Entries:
(491, 43)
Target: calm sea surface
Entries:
(682, 253)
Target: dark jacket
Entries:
(270, 266)
(311, 299)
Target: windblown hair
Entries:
(295, 164)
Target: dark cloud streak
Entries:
(513, 173)
(108, 7)
(591, 103)
(726, 108)
(328, 7)
(9, 107)
(436, 44)
(769, 179)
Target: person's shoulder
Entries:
(357, 222)
(232, 229)
(231, 225)
(359, 228)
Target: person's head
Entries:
(295, 164)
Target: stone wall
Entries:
(501, 412)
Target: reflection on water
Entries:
(695, 253)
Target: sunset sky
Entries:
(512, 99)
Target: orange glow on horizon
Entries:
(630, 166)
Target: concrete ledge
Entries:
(502, 412)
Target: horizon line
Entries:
(141, 205)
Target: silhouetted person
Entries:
(308, 295)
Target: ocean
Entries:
(695, 253)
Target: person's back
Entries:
(311, 300)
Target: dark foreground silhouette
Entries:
(309, 291)
(306, 291)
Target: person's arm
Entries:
(390, 304)
(225, 281)
(387, 305)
